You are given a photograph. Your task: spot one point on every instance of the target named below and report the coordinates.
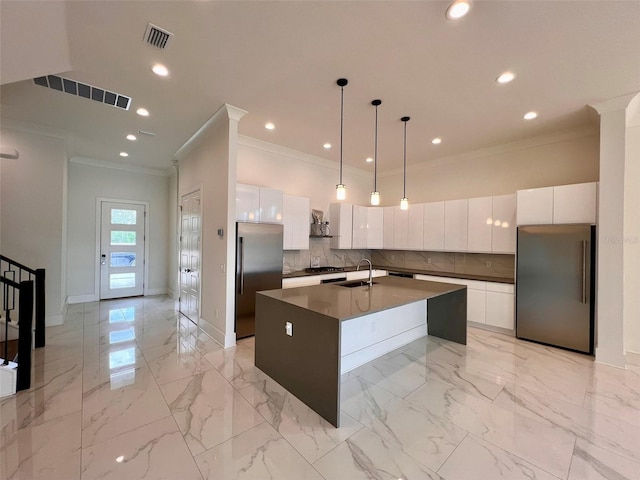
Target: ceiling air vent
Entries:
(156, 36)
(83, 90)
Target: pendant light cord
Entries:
(375, 156)
(341, 127)
(404, 182)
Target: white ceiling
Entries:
(280, 60)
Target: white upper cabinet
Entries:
(535, 206)
(557, 205)
(359, 227)
(503, 239)
(455, 225)
(575, 203)
(270, 205)
(400, 228)
(258, 204)
(416, 227)
(480, 224)
(433, 226)
(388, 226)
(296, 221)
(247, 203)
(341, 224)
(375, 222)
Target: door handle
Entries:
(187, 270)
(584, 272)
(241, 254)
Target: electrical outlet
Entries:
(429, 260)
(288, 328)
(488, 264)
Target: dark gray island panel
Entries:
(447, 316)
(306, 363)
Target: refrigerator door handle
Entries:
(241, 249)
(584, 272)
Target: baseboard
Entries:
(72, 299)
(226, 340)
(172, 294)
(155, 291)
(491, 328)
(53, 320)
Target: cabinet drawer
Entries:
(500, 287)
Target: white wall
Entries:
(85, 184)
(33, 204)
(557, 160)
(295, 173)
(632, 238)
(173, 280)
(208, 163)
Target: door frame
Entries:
(181, 195)
(99, 200)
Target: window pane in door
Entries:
(123, 217)
(122, 280)
(123, 238)
(123, 259)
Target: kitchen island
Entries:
(307, 337)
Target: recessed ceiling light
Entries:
(160, 70)
(436, 141)
(143, 112)
(530, 115)
(124, 154)
(369, 160)
(269, 126)
(120, 459)
(506, 77)
(131, 137)
(327, 146)
(458, 9)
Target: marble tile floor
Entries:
(128, 389)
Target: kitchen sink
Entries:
(356, 283)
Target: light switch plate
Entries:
(288, 328)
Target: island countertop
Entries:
(342, 303)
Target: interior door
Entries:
(190, 223)
(122, 250)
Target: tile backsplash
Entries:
(295, 260)
(487, 264)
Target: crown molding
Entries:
(613, 104)
(500, 149)
(296, 155)
(27, 127)
(160, 172)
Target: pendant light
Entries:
(375, 195)
(404, 201)
(341, 188)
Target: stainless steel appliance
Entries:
(555, 285)
(258, 267)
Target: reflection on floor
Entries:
(128, 389)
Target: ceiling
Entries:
(280, 61)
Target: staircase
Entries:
(20, 286)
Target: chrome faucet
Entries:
(370, 282)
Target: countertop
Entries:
(437, 273)
(344, 303)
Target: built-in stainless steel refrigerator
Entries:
(555, 285)
(258, 267)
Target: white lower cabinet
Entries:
(476, 304)
(300, 281)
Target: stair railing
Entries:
(17, 273)
(24, 291)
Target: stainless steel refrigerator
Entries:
(555, 285)
(258, 267)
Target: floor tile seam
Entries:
(55, 419)
(573, 456)
(361, 429)
(125, 432)
(437, 470)
(186, 446)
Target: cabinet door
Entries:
(503, 239)
(575, 203)
(499, 312)
(535, 206)
(480, 224)
(270, 205)
(387, 234)
(301, 222)
(455, 225)
(341, 223)
(375, 222)
(416, 227)
(288, 222)
(400, 228)
(247, 203)
(476, 305)
(359, 227)
(434, 226)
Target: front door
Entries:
(122, 249)
(190, 255)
